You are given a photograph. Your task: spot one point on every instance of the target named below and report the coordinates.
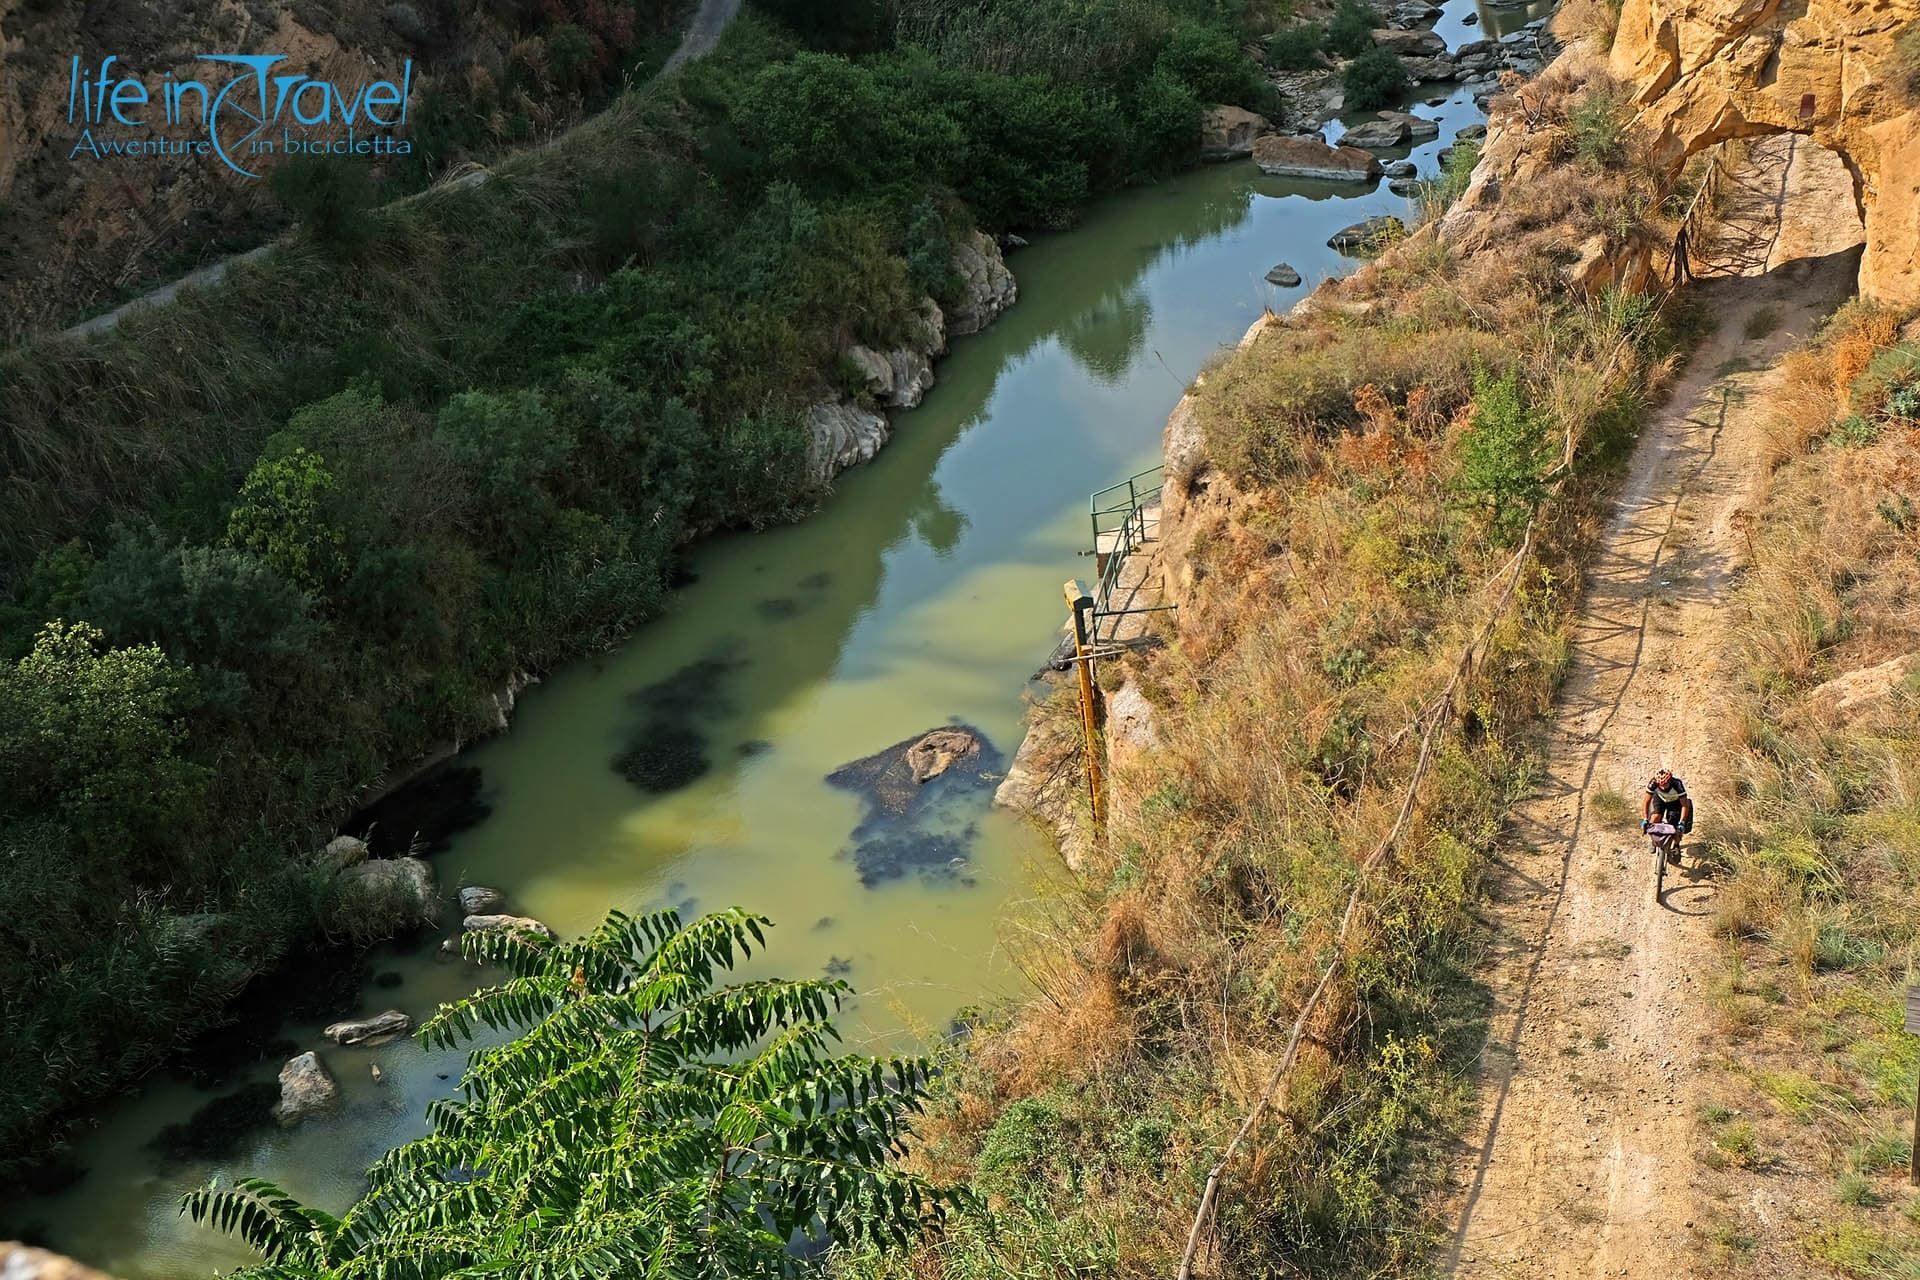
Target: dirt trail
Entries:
(1581, 1163)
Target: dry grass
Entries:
(1335, 575)
(1819, 913)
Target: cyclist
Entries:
(1667, 801)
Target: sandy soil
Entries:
(1582, 1160)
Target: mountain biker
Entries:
(1667, 801)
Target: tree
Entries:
(1373, 80)
(282, 515)
(92, 737)
(1504, 453)
(645, 1123)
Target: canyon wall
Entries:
(1702, 71)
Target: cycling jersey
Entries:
(1667, 799)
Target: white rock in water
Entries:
(503, 923)
(305, 1090)
(380, 1028)
(479, 900)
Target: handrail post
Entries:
(1081, 604)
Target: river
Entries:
(927, 590)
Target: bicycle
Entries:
(1665, 839)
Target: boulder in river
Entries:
(1376, 134)
(1409, 43)
(1419, 128)
(1368, 236)
(1404, 186)
(306, 1089)
(479, 900)
(1228, 132)
(498, 923)
(1283, 275)
(382, 897)
(1402, 169)
(986, 286)
(372, 1032)
(917, 817)
(1311, 158)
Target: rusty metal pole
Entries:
(1080, 603)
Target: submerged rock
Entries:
(478, 900)
(372, 1032)
(1368, 236)
(918, 819)
(221, 1127)
(306, 1089)
(663, 757)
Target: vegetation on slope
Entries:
(263, 546)
(1817, 905)
(1372, 469)
(644, 1122)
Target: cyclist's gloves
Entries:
(1686, 826)
(1644, 824)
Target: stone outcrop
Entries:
(1376, 134)
(1283, 275)
(937, 751)
(503, 923)
(986, 286)
(1417, 44)
(1367, 235)
(479, 900)
(345, 851)
(306, 1089)
(1228, 133)
(841, 435)
(898, 379)
(1716, 69)
(1311, 158)
(374, 1031)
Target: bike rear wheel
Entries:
(1659, 871)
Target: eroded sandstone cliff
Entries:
(1702, 71)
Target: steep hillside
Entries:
(77, 232)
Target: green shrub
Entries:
(1298, 47)
(1599, 120)
(1373, 80)
(1903, 64)
(709, 1125)
(1440, 193)
(1209, 63)
(330, 197)
(283, 515)
(1505, 452)
(1350, 33)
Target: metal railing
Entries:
(1118, 514)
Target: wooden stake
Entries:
(1080, 603)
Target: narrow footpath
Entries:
(1582, 1160)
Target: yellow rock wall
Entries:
(1706, 70)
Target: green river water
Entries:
(926, 590)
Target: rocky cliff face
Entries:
(1705, 70)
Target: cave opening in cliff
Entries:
(1785, 203)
